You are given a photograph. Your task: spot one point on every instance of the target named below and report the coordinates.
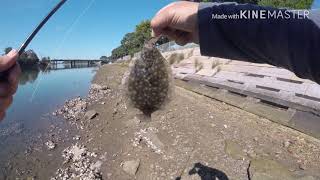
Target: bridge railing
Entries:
(172, 46)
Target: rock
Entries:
(90, 114)
(302, 166)
(131, 167)
(99, 87)
(266, 169)
(81, 167)
(251, 154)
(115, 111)
(286, 144)
(77, 137)
(76, 152)
(150, 138)
(96, 165)
(109, 175)
(133, 122)
(81, 106)
(234, 150)
(50, 145)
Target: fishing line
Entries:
(66, 35)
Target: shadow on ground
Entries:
(206, 173)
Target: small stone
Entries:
(50, 145)
(251, 154)
(302, 166)
(225, 126)
(109, 175)
(115, 111)
(234, 150)
(131, 167)
(90, 114)
(256, 139)
(103, 103)
(96, 165)
(77, 137)
(267, 169)
(286, 144)
(133, 122)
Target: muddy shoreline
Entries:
(193, 137)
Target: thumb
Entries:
(8, 60)
(162, 20)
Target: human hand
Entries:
(178, 21)
(8, 86)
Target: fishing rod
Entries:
(42, 23)
(35, 32)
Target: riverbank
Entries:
(192, 136)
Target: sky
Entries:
(81, 29)
(316, 4)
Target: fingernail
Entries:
(153, 34)
(12, 53)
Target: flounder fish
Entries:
(149, 82)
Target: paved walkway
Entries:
(265, 90)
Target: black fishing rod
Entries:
(42, 23)
(34, 33)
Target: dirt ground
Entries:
(193, 137)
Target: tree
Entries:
(103, 58)
(46, 59)
(133, 42)
(28, 58)
(291, 4)
(7, 50)
(238, 1)
(118, 53)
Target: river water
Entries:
(39, 94)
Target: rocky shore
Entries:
(78, 161)
(193, 137)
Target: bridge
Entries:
(73, 62)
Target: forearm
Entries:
(292, 43)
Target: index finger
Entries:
(162, 20)
(8, 60)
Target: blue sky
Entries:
(316, 4)
(81, 28)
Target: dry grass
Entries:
(175, 58)
(215, 64)
(198, 65)
(190, 53)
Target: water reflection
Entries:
(30, 74)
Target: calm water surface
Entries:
(39, 94)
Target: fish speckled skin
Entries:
(149, 81)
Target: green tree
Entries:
(134, 41)
(7, 50)
(291, 4)
(103, 58)
(28, 58)
(238, 1)
(46, 59)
